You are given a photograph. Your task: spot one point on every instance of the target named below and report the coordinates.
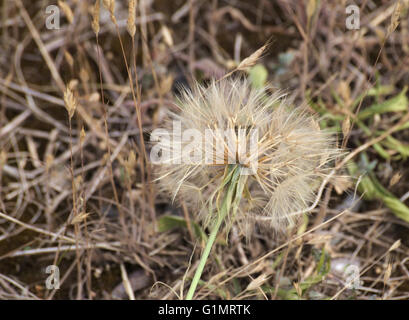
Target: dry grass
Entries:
(76, 187)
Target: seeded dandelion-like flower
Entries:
(280, 152)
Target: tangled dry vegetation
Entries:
(77, 105)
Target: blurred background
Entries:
(81, 89)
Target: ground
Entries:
(76, 184)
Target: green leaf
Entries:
(381, 90)
(398, 146)
(169, 222)
(258, 76)
(372, 189)
(395, 104)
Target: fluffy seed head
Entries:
(285, 165)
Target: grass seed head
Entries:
(131, 18)
(3, 159)
(95, 17)
(67, 11)
(70, 102)
(110, 6)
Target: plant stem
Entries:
(204, 257)
(224, 210)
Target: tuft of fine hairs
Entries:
(292, 157)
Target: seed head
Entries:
(131, 18)
(70, 101)
(280, 148)
(95, 17)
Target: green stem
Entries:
(224, 210)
